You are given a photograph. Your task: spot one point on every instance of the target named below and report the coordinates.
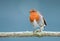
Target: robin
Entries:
(37, 20)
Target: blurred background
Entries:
(14, 17)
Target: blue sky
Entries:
(14, 17)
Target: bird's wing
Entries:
(44, 21)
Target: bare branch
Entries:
(30, 34)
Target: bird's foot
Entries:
(38, 30)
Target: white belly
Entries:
(35, 24)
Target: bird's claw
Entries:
(38, 30)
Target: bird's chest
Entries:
(34, 17)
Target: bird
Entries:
(37, 20)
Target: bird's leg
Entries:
(36, 30)
(41, 27)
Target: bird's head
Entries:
(32, 11)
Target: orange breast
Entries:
(34, 16)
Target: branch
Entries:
(30, 34)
